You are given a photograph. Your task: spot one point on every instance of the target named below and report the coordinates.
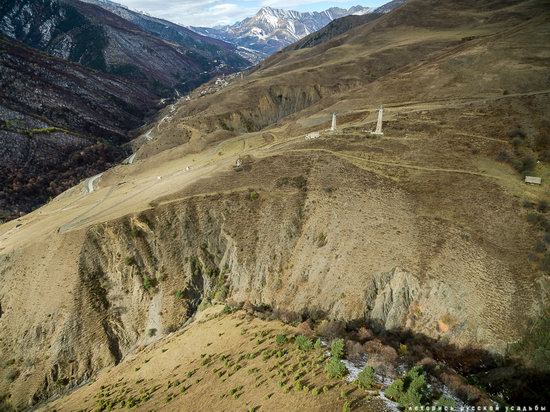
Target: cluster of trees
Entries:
(24, 188)
(526, 150)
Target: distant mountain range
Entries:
(271, 30)
(108, 37)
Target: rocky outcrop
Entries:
(390, 297)
(272, 105)
(264, 107)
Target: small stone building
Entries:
(533, 180)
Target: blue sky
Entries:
(214, 12)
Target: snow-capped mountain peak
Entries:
(272, 29)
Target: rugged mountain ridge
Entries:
(95, 37)
(333, 29)
(221, 51)
(272, 29)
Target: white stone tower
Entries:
(378, 131)
(333, 127)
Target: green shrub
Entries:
(335, 368)
(180, 294)
(545, 264)
(303, 343)
(445, 402)
(503, 156)
(149, 283)
(517, 133)
(280, 339)
(540, 247)
(321, 240)
(136, 231)
(533, 217)
(346, 407)
(12, 375)
(415, 394)
(517, 141)
(212, 272)
(204, 304)
(227, 310)
(412, 390)
(365, 379)
(337, 348)
(395, 390)
(152, 332)
(526, 164)
(317, 344)
(221, 293)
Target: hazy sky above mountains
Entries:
(214, 12)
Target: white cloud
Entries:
(192, 13)
(228, 13)
(215, 12)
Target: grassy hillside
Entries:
(269, 366)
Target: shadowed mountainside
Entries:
(59, 123)
(62, 122)
(95, 37)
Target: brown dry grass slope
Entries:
(429, 229)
